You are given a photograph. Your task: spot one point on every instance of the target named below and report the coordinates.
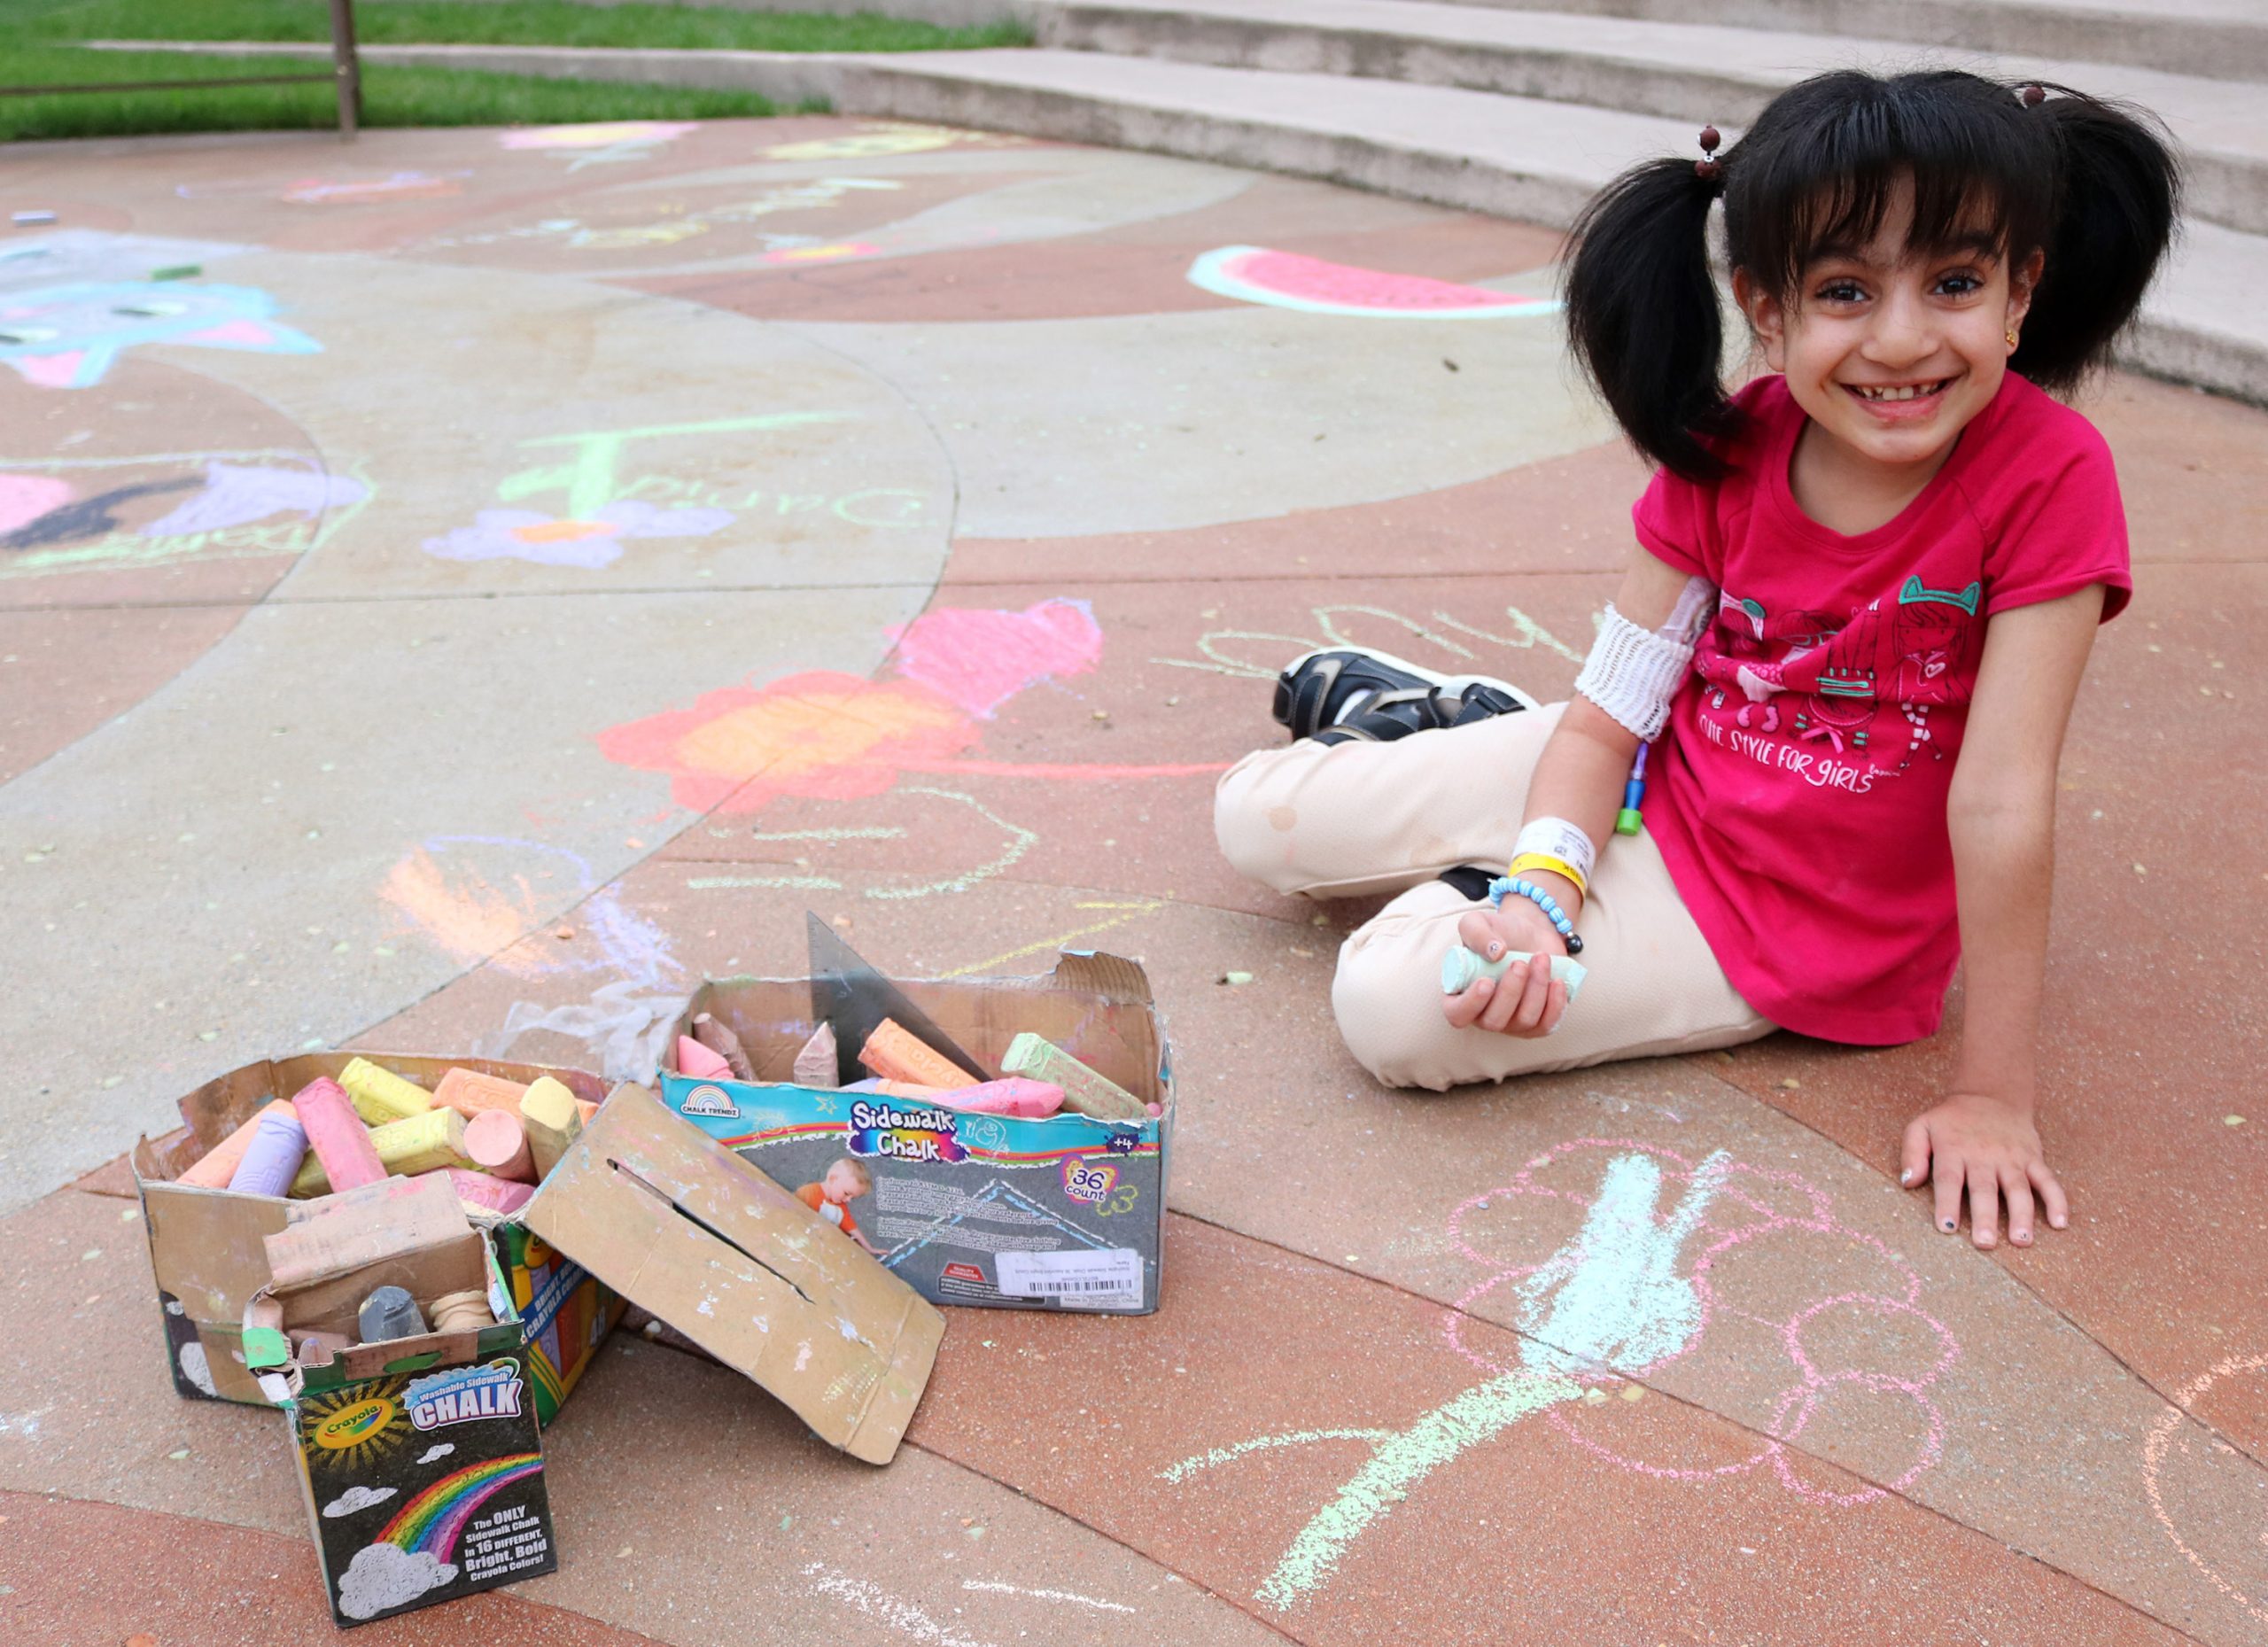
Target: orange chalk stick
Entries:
(468, 1093)
(893, 1054)
(216, 1166)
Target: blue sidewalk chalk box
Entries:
(966, 1208)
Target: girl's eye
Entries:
(1841, 292)
(1960, 285)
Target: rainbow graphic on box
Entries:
(434, 1520)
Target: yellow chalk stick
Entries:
(553, 1122)
(380, 1095)
(419, 1143)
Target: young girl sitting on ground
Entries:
(1865, 590)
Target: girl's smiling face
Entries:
(1892, 348)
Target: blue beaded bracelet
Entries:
(1505, 886)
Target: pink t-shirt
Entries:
(1798, 793)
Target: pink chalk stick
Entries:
(696, 1060)
(1018, 1096)
(477, 1189)
(336, 1135)
(498, 1144)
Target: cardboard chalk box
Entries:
(1060, 1213)
(204, 1244)
(419, 1458)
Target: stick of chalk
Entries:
(478, 1189)
(816, 1065)
(273, 1160)
(345, 1158)
(1461, 967)
(423, 1143)
(719, 1039)
(462, 1312)
(553, 1122)
(1085, 1092)
(32, 219)
(587, 1109)
(892, 1052)
(380, 1095)
(177, 271)
(1018, 1096)
(217, 1166)
(700, 1062)
(498, 1143)
(468, 1093)
(390, 1312)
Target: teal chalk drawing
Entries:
(1609, 1301)
(589, 479)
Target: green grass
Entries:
(504, 23)
(37, 47)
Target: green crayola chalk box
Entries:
(982, 1209)
(565, 1309)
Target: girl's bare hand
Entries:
(1989, 1147)
(1525, 1001)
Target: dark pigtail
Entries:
(2120, 196)
(1642, 317)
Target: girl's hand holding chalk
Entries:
(1527, 1000)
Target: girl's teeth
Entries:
(1906, 392)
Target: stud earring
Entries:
(2011, 339)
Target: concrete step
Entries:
(1700, 73)
(2220, 39)
(1512, 156)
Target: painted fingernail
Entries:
(2021, 1238)
(1948, 1226)
(1906, 1176)
(1494, 949)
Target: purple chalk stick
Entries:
(278, 1146)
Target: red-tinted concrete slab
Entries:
(1569, 514)
(2190, 467)
(147, 1580)
(2155, 1028)
(689, 1505)
(47, 696)
(1202, 1436)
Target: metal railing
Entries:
(345, 73)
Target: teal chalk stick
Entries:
(1460, 966)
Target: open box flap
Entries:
(686, 1228)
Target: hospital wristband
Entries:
(1552, 865)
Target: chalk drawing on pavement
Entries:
(979, 659)
(1253, 662)
(596, 509)
(671, 226)
(68, 336)
(1019, 841)
(2179, 1449)
(598, 143)
(1286, 280)
(63, 515)
(1617, 1301)
(883, 138)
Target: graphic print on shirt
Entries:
(1840, 680)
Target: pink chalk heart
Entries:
(980, 659)
(25, 498)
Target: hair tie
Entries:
(1708, 168)
(2033, 97)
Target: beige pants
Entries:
(1343, 820)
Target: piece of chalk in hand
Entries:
(1461, 967)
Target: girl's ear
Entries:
(2023, 280)
(1767, 318)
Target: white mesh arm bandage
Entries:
(1632, 674)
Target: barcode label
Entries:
(1078, 1273)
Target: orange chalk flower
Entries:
(819, 735)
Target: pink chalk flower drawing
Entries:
(547, 541)
(1618, 1300)
(1286, 280)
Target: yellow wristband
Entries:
(1545, 861)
